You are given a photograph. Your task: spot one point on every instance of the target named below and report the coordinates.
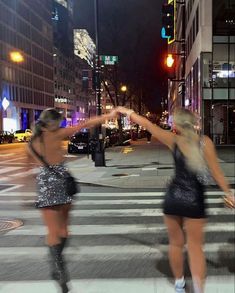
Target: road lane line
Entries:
(123, 229)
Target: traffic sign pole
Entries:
(99, 150)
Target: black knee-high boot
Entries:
(63, 243)
(59, 272)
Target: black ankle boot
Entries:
(59, 272)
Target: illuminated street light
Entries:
(124, 88)
(16, 57)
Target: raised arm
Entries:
(213, 164)
(163, 136)
(96, 120)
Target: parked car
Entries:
(84, 142)
(6, 137)
(79, 143)
(113, 135)
(23, 135)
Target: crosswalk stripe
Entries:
(114, 194)
(218, 284)
(40, 230)
(110, 202)
(26, 214)
(94, 252)
(102, 249)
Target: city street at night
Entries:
(117, 146)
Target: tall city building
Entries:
(63, 54)
(209, 65)
(26, 62)
(85, 95)
(84, 47)
(84, 51)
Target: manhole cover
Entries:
(7, 224)
(120, 175)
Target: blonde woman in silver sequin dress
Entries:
(184, 207)
(52, 198)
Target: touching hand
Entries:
(122, 110)
(229, 200)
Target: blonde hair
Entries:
(47, 117)
(188, 122)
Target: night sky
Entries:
(131, 30)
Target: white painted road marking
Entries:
(39, 230)
(218, 284)
(117, 194)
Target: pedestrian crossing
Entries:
(118, 244)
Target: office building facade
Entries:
(209, 68)
(26, 86)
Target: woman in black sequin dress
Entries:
(53, 198)
(184, 207)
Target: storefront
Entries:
(218, 77)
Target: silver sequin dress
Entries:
(51, 186)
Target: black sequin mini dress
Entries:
(51, 189)
(185, 193)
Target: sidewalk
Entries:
(140, 165)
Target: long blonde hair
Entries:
(188, 122)
(47, 117)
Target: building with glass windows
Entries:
(26, 81)
(64, 67)
(206, 62)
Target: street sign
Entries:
(108, 60)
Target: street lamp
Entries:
(124, 88)
(16, 57)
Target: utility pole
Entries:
(99, 150)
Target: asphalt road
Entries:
(115, 234)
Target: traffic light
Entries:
(170, 63)
(168, 20)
